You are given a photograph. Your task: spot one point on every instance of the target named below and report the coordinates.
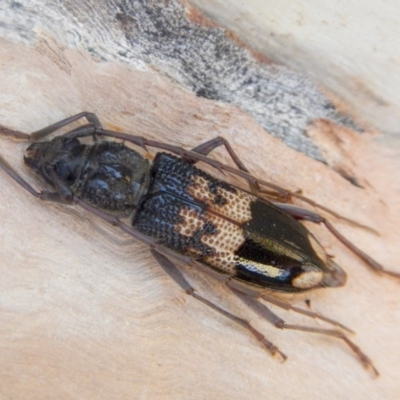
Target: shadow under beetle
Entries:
(183, 213)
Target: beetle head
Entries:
(60, 154)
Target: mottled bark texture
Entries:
(85, 312)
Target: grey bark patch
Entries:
(204, 59)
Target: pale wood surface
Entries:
(352, 50)
(85, 312)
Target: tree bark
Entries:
(87, 313)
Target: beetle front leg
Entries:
(42, 195)
(7, 132)
(263, 311)
(178, 277)
(308, 215)
(91, 118)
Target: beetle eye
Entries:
(34, 153)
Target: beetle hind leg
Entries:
(308, 215)
(178, 277)
(311, 314)
(263, 311)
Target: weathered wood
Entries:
(348, 48)
(85, 311)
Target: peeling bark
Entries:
(85, 311)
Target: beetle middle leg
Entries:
(198, 154)
(175, 274)
(207, 147)
(263, 311)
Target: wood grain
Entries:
(86, 313)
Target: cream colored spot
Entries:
(236, 205)
(226, 239)
(192, 222)
(265, 269)
(308, 279)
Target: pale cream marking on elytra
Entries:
(265, 269)
(236, 205)
(192, 222)
(227, 239)
(224, 242)
(308, 279)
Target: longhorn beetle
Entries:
(182, 213)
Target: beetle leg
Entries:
(199, 153)
(178, 277)
(311, 314)
(66, 197)
(85, 130)
(263, 311)
(92, 119)
(260, 293)
(308, 215)
(42, 195)
(63, 194)
(207, 147)
(4, 131)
